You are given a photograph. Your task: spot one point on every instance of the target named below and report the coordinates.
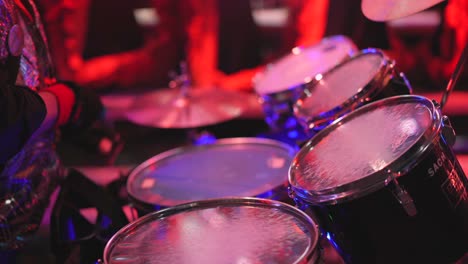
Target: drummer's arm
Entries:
(151, 63)
(239, 81)
(311, 22)
(147, 65)
(201, 29)
(23, 113)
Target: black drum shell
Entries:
(375, 228)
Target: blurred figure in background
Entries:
(99, 44)
(308, 22)
(452, 41)
(219, 39)
(312, 20)
(215, 37)
(412, 39)
(427, 45)
(222, 39)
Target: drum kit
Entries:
(283, 82)
(376, 178)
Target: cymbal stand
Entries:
(455, 75)
(183, 83)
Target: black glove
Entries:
(87, 109)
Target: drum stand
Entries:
(455, 75)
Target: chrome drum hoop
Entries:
(310, 255)
(279, 192)
(387, 82)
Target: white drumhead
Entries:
(361, 145)
(303, 64)
(230, 167)
(385, 10)
(342, 83)
(254, 232)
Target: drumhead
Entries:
(303, 64)
(342, 83)
(356, 151)
(229, 167)
(237, 230)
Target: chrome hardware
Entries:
(448, 132)
(403, 197)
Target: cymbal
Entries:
(169, 108)
(384, 10)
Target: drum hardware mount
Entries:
(403, 197)
(405, 81)
(447, 129)
(448, 132)
(181, 82)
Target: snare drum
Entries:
(367, 76)
(385, 185)
(252, 167)
(234, 230)
(282, 83)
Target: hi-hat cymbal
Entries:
(384, 10)
(168, 108)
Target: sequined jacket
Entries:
(28, 178)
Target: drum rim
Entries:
(310, 252)
(365, 93)
(286, 90)
(377, 180)
(183, 149)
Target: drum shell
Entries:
(375, 228)
(278, 106)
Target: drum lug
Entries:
(436, 104)
(406, 201)
(299, 204)
(448, 132)
(403, 197)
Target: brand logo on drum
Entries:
(454, 189)
(436, 165)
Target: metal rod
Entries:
(455, 75)
(184, 79)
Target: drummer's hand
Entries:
(239, 81)
(99, 72)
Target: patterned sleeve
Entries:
(21, 109)
(6, 22)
